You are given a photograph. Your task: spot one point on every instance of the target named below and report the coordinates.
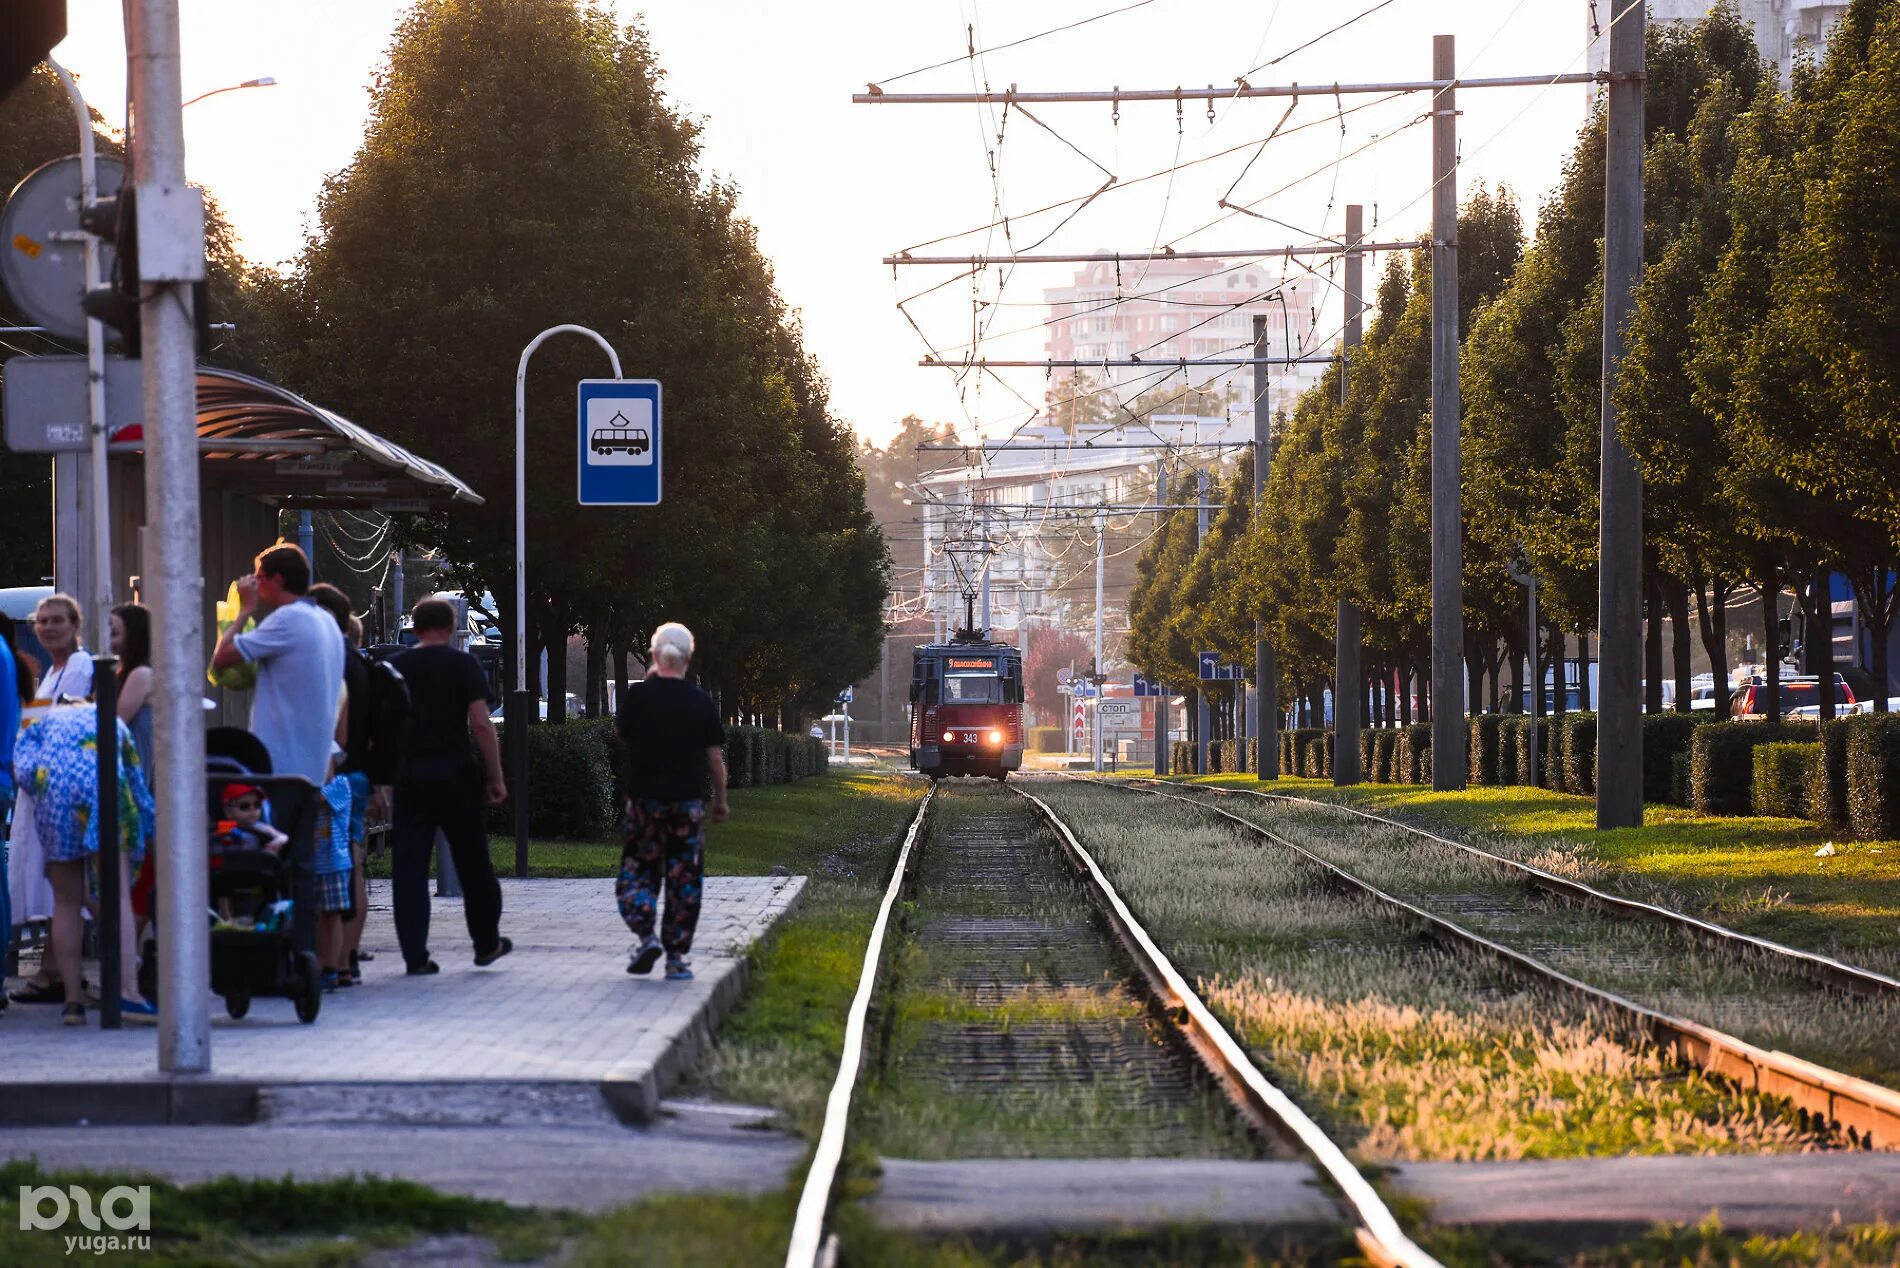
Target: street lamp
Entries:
(262, 81)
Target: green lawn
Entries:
(1755, 874)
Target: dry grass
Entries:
(1404, 1049)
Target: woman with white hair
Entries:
(674, 740)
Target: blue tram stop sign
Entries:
(619, 442)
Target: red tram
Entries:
(966, 709)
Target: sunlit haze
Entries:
(834, 186)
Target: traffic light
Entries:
(28, 31)
(115, 219)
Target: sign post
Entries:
(521, 708)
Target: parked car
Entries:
(1802, 691)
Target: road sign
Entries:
(42, 249)
(619, 442)
(1210, 664)
(1080, 724)
(46, 402)
(1144, 686)
(1119, 715)
(844, 696)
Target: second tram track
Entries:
(1866, 1113)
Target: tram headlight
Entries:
(996, 737)
(949, 737)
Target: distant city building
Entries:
(1784, 29)
(1167, 310)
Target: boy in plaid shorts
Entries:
(335, 903)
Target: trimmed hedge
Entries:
(1482, 748)
(1521, 772)
(1366, 743)
(1385, 748)
(1220, 757)
(1665, 736)
(1306, 761)
(1579, 753)
(573, 777)
(1873, 776)
(1827, 775)
(1045, 739)
(1180, 757)
(1412, 758)
(1722, 763)
(1510, 731)
(1781, 771)
(1253, 753)
(1681, 782)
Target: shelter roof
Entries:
(264, 440)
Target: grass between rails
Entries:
(1400, 1048)
(1757, 875)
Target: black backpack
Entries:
(388, 721)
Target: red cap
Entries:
(234, 791)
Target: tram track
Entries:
(1136, 1063)
(1467, 913)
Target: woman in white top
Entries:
(68, 675)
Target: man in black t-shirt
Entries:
(674, 740)
(450, 773)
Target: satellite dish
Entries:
(41, 266)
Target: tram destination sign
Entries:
(619, 442)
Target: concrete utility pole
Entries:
(1346, 675)
(171, 258)
(1162, 756)
(1200, 693)
(1101, 540)
(1620, 532)
(1448, 611)
(1265, 673)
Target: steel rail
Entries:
(1379, 1234)
(1867, 1113)
(1831, 971)
(808, 1247)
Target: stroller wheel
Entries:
(309, 987)
(236, 1004)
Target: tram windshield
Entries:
(972, 688)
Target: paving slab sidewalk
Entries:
(560, 1010)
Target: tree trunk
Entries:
(1875, 596)
(1517, 681)
(1584, 700)
(557, 678)
(1653, 647)
(1403, 687)
(1712, 615)
(1820, 641)
(1426, 702)
(618, 657)
(1771, 641)
(596, 674)
(1559, 686)
(1474, 677)
(1678, 596)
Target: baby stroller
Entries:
(262, 903)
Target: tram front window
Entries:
(972, 689)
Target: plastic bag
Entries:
(243, 675)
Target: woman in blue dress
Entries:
(56, 760)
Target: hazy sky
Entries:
(833, 186)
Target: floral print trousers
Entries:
(664, 844)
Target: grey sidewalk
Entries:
(560, 1010)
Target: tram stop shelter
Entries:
(262, 449)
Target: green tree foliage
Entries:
(521, 169)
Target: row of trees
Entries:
(1758, 397)
(521, 168)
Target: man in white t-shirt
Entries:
(298, 652)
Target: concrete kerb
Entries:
(631, 1091)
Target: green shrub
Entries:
(1045, 739)
(1579, 753)
(1409, 761)
(1827, 775)
(1482, 748)
(1781, 771)
(1873, 776)
(1681, 781)
(572, 782)
(1180, 757)
(1722, 764)
(1289, 753)
(1366, 743)
(1253, 753)
(1510, 727)
(1306, 761)
(1326, 743)
(739, 756)
(1220, 757)
(1385, 750)
(1528, 776)
(1665, 736)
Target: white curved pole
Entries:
(521, 488)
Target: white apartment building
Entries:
(1170, 309)
(1784, 29)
